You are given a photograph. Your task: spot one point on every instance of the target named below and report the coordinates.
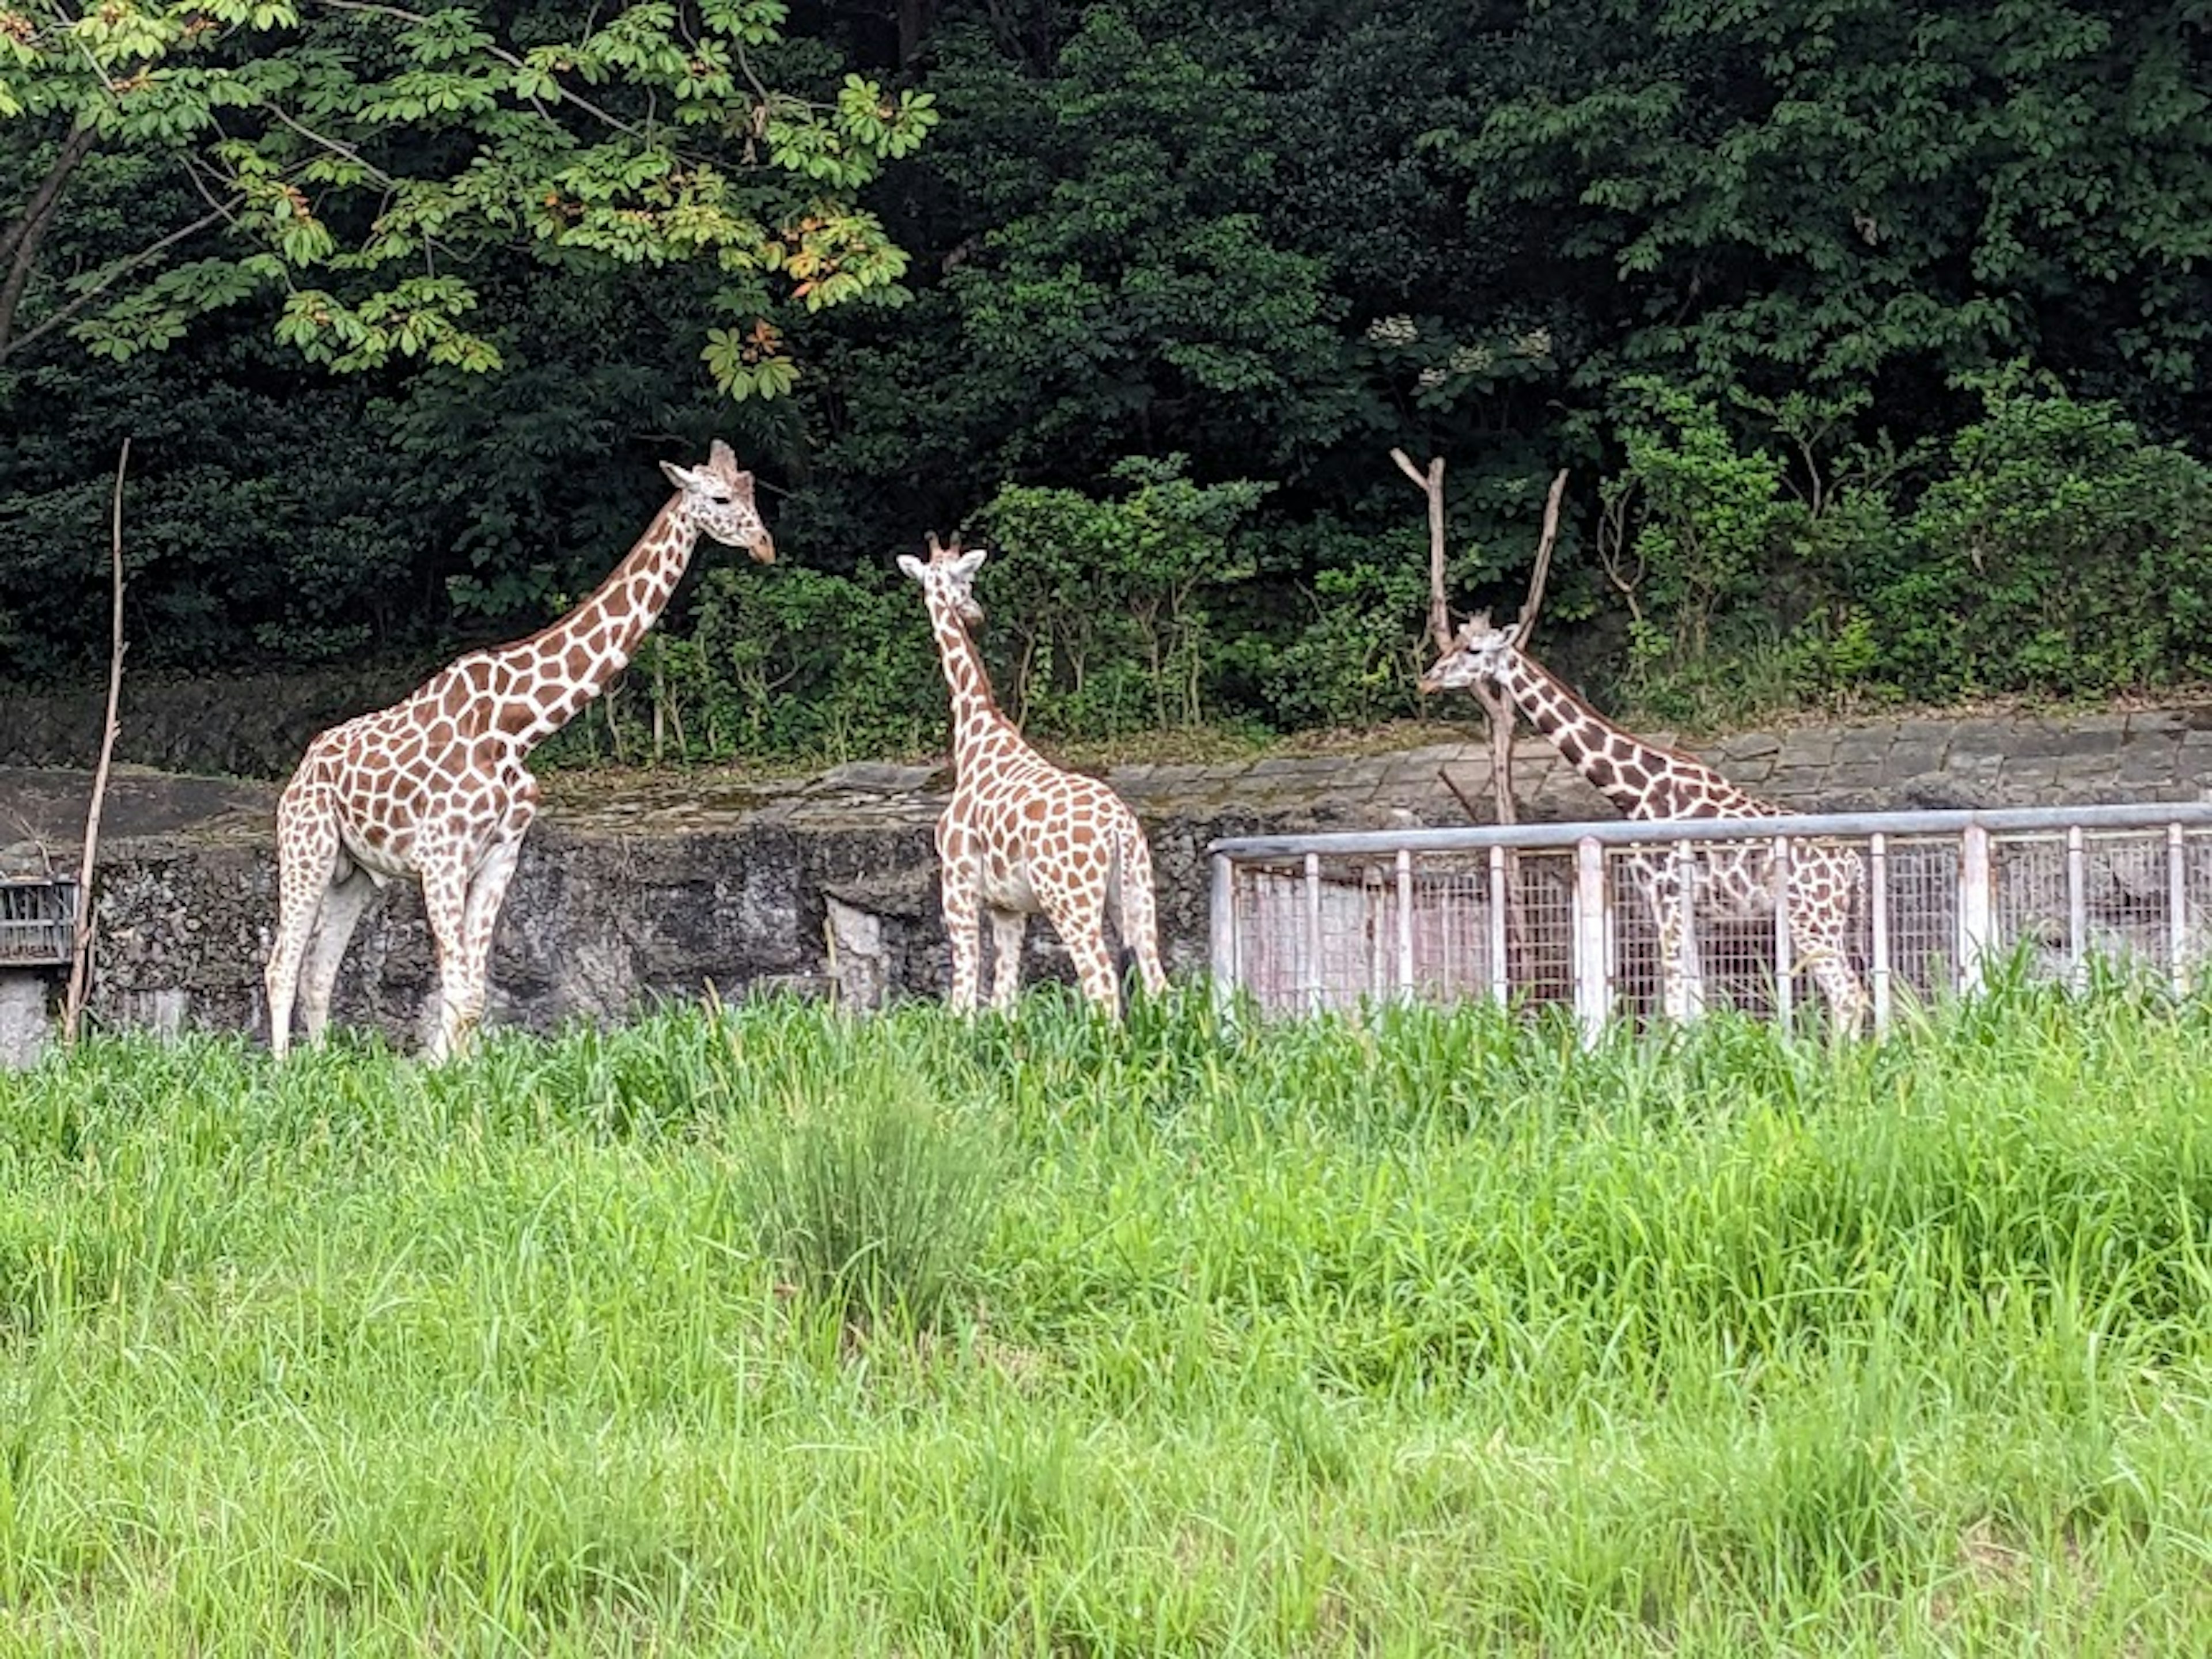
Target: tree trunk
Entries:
(20, 242)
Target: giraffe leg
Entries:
(307, 852)
(1080, 918)
(479, 921)
(1139, 921)
(1008, 929)
(957, 886)
(445, 902)
(1817, 939)
(349, 895)
(1668, 895)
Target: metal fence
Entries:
(1857, 911)
(37, 922)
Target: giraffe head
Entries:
(1478, 655)
(719, 499)
(949, 578)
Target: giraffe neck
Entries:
(1640, 778)
(978, 727)
(564, 666)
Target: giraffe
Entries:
(435, 788)
(1648, 783)
(1020, 834)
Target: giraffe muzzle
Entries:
(763, 550)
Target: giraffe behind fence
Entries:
(1648, 782)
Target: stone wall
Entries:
(658, 889)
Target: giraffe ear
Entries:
(914, 567)
(969, 562)
(681, 477)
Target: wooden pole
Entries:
(80, 957)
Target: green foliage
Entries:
(2061, 553)
(1109, 603)
(1432, 1334)
(797, 662)
(1354, 662)
(875, 1196)
(364, 165)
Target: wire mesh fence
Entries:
(1857, 914)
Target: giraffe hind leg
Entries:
(1079, 919)
(306, 854)
(1008, 928)
(350, 889)
(1136, 911)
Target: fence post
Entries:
(1405, 924)
(1312, 933)
(2077, 911)
(1878, 927)
(1785, 967)
(1500, 946)
(2176, 911)
(1592, 998)
(1221, 933)
(1689, 956)
(1975, 907)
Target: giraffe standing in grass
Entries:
(435, 786)
(1646, 781)
(1022, 835)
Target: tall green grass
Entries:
(778, 1332)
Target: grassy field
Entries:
(782, 1334)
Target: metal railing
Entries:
(1855, 910)
(37, 922)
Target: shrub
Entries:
(875, 1201)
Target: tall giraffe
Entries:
(1020, 834)
(435, 788)
(1648, 783)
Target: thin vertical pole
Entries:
(1500, 968)
(1878, 901)
(2176, 911)
(1784, 969)
(1593, 994)
(1405, 923)
(1313, 932)
(1975, 907)
(2077, 909)
(1221, 927)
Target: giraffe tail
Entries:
(1135, 908)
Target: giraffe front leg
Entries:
(1821, 953)
(479, 921)
(445, 903)
(964, 928)
(1008, 929)
(1667, 897)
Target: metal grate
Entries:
(1770, 916)
(38, 923)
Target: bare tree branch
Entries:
(1432, 485)
(18, 245)
(1535, 602)
(121, 269)
(81, 956)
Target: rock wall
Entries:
(660, 888)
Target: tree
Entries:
(364, 164)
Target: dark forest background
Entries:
(1874, 337)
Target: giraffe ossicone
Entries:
(1020, 834)
(1647, 782)
(435, 786)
